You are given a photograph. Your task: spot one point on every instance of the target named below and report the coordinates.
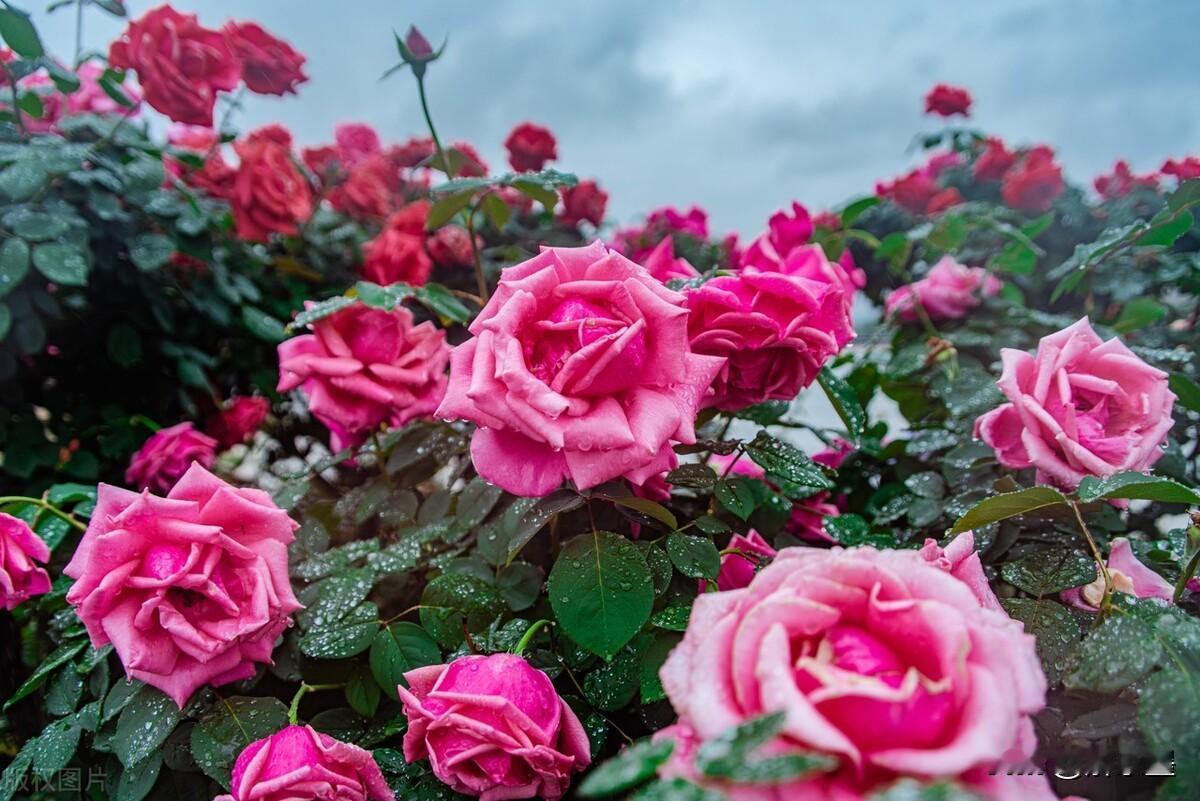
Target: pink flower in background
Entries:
(1122, 180)
(912, 191)
(663, 264)
(530, 146)
(473, 165)
(807, 518)
(693, 221)
(54, 103)
(190, 589)
(20, 552)
(299, 762)
(584, 201)
(363, 195)
(363, 367)
(397, 253)
(945, 199)
(237, 421)
(579, 367)
(947, 101)
(884, 660)
(1078, 407)
(947, 292)
(960, 560)
(809, 261)
(412, 152)
(90, 98)
(994, 161)
(450, 246)
(216, 176)
(269, 194)
(493, 727)
(270, 66)
(355, 141)
(938, 163)
(835, 454)
(1184, 169)
(167, 455)
(785, 233)
(1035, 183)
(1128, 575)
(738, 569)
(193, 138)
(774, 330)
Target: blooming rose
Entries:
(355, 142)
(530, 146)
(413, 152)
(1128, 575)
(584, 201)
(1079, 406)
(579, 367)
(947, 292)
(944, 199)
(167, 455)
(90, 97)
(887, 661)
(1122, 180)
(190, 589)
(238, 421)
(363, 195)
(322, 161)
(20, 551)
(361, 367)
(298, 763)
(270, 66)
(270, 194)
(180, 64)
(775, 330)
(1034, 184)
(663, 264)
(493, 727)
(1184, 169)
(809, 261)
(946, 101)
(994, 161)
(745, 554)
(784, 234)
(397, 253)
(450, 246)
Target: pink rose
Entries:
(299, 762)
(1079, 407)
(238, 420)
(90, 98)
(947, 292)
(270, 66)
(530, 146)
(1128, 575)
(946, 100)
(785, 232)
(1122, 180)
(361, 367)
(493, 727)
(270, 194)
(663, 264)
(397, 253)
(880, 659)
(693, 222)
(1035, 183)
(167, 455)
(584, 201)
(355, 142)
(579, 368)
(450, 246)
(833, 455)
(809, 261)
(776, 331)
(1184, 169)
(994, 161)
(190, 589)
(20, 551)
(960, 560)
(747, 553)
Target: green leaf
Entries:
(694, 557)
(397, 649)
(1015, 257)
(19, 33)
(845, 402)
(263, 325)
(601, 591)
(351, 635)
(693, 476)
(1137, 486)
(55, 746)
(442, 302)
(786, 461)
(138, 780)
(1169, 715)
(1006, 505)
(228, 727)
(14, 264)
(1164, 233)
(1054, 628)
(453, 602)
(38, 226)
(144, 724)
(31, 104)
(736, 496)
(23, 180)
(446, 206)
(613, 684)
(496, 210)
(1139, 313)
(728, 755)
(676, 790)
(148, 252)
(337, 597)
(362, 693)
(913, 790)
(1121, 650)
(61, 655)
(320, 310)
(124, 345)
(853, 210)
(64, 79)
(1187, 390)
(62, 264)
(631, 767)
(1050, 570)
(649, 508)
(651, 662)
(5, 321)
(382, 297)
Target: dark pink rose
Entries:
(301, 763)
(785, 233)
(269, 195)
(584, 201)
(809, 261)
(579, 367)
(363, 367)
(886, 661)
(355, 141)
(1184, 169)
(90, 98)
(20, 551)
(994, 161)
(775, 331)
(238, 420)
(363, 195)
(473, 165)
(947, 101)
(1128, 575)
(1078, 407)
(664, 265)
(450, 246)
(167, 455)
(493, 727)
(1122, 180)
(836, 453)
(1034, 183)
(270, 66)
(190, 589)
(947, 292)
(397, 253)
(742, 559)
(530, 146)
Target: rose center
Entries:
(585, 349)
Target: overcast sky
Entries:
(738, 106)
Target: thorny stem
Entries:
(1087, 535)
(305, 689)
(47, 506)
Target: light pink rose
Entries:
(776, 331)
(1128, 575)
(190, 589)
(835, 454)
(785, 233)
(20, 551)
(947, 292)
(579, 367)
(960, 560)
(167, 455)
(299, 762)
(1079, 406)
(493, 727)
(90, 98)
(362, 367)
(664, 265)
(880, 659)
(747, 553)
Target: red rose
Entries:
(473, 165)
(943, 200)
(413, 153)
(215, 176)
(355, 142)
(322, 161)
(994, 161)
(911, 192)
(1121, 181)
(238, 421)
(450, 246)
(270, 195)
(1185, 169)
(947, 100)
(584, 201)
(1033, 185)
(398, 252)
(530, 146)
(180, 64)
(363, 195)
(411, 218)
(270, 66)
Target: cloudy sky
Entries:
(738, 106)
